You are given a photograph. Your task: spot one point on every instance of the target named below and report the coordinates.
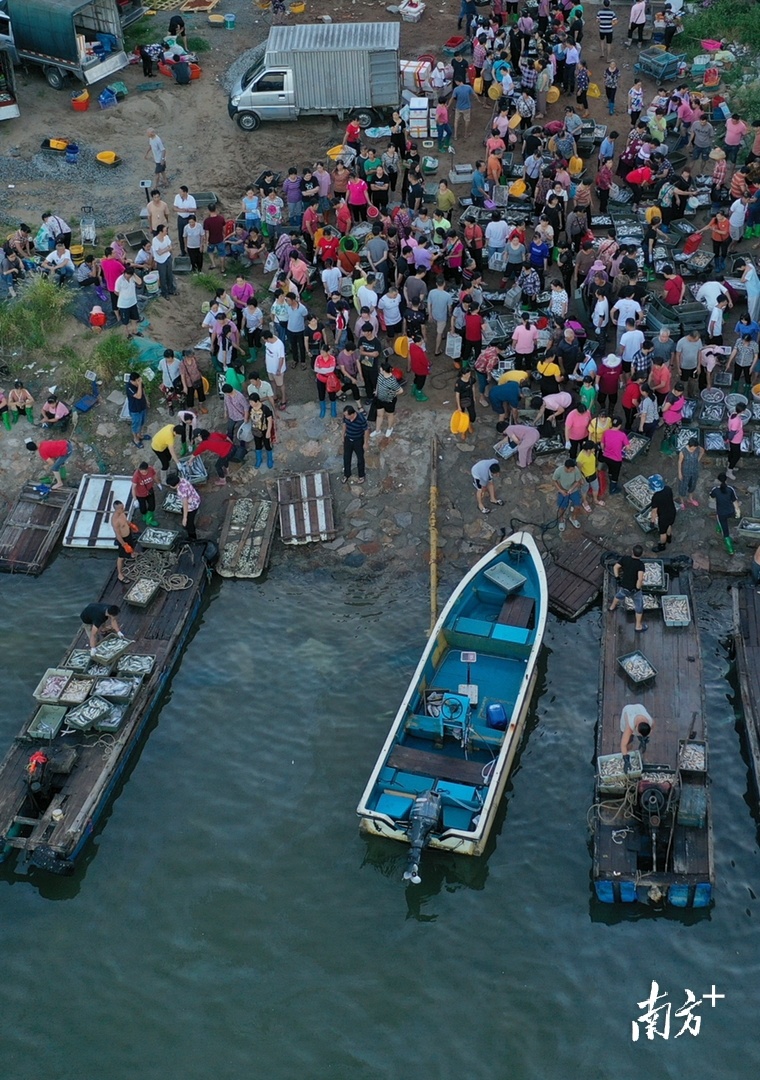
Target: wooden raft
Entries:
(246, 538)
(746, 602)
(575, 576)
(306, 508)
(90, 522)
(32, 529)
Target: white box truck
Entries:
(341, 69)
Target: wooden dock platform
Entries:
(32, 529)
(575, 576)
(653, 837)
(246, 538)
(746, 603)
(306, 508)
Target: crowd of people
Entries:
(368, 280)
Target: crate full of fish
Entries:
(637, 667)
(47, 722)
(684, 435)
(713, 442)
(110, 649)
(655, 578)
(78, 660)
(173, 503)
(754, 443)
(692, 756)
(111, 721)
(689, 409)
(676, 610)
(142, 592)
(637, 445)
(88, 713)
(651, 603)
(552, 444)
(117, 688)
(78, 690)
(52, 685)
(644, 521)
(712, 414)
(614, 771)
(159, 539)
(749, 529)
(638, 492)
(136, 664)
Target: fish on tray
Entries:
(637, 667)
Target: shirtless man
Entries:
(635, 722)
(122, 530)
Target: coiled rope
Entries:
(158, 565)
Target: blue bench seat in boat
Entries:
(395, 806)
(425, 727)
(497, 631)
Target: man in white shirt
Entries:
(274, 353)
(635, 722)
(59, 262)
(390, 306)
(126, 299)
(331, 278)
(366, 296)
(715, 324)
(184, 205)
(497, 232)
(625, 308)
(631, 342)
(157, 151)
(708, 294)
(161, 248)
(737, 218)
(260, 386)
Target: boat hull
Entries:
(460, 724)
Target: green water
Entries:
(229, 921)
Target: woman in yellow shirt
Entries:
(586, 462)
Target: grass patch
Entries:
(142, 32)
(730, 20)
(198, 45)
(208, 282)
(26, 321)
(112, 356)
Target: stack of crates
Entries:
(418, 118)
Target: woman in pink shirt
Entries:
(736, 129)
(241, 292)
(524, 338)
(577, 423)
(614, 442)
(357, 197)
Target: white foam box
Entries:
(414, 74)
(420, 104)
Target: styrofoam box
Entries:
(414, 74)
(420, 103)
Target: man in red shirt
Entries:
(473, 333)
(220, 445)
(213, 226)
(630, 399)
(674, 287)
(419, 366)
(327, 247)
(637, 179)
(55, 453)
(143, 484)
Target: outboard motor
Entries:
(36, 772)
(424, 817)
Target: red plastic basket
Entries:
(692, 243)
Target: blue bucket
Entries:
(72, 153)
(229, 22)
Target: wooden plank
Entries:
(574, 576)
(436, 766)
(32, 530)
(746, 604)
(90, 522)
(305, 508)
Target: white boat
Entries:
(441, 773)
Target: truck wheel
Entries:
(364, 117)
(248, 121)
(55, 77)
